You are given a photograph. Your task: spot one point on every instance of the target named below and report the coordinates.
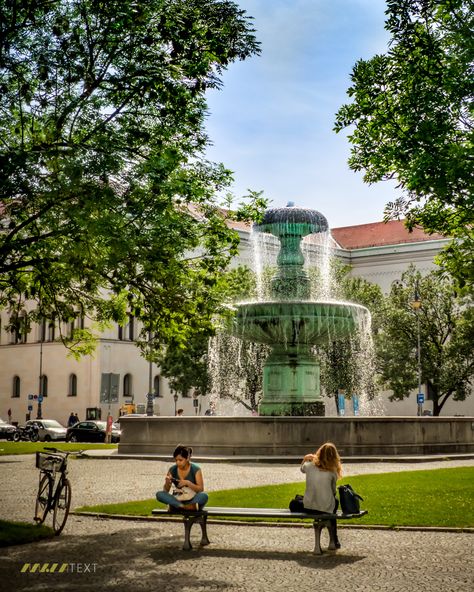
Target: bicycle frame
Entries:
(54, 490)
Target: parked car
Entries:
(49, 429)
(6, 430)
(90, 431)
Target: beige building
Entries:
(117, 374)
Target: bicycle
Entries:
(54, 490)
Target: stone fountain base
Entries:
(295, 436)
(291, 384)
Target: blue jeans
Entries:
(166, 498)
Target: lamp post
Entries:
(416, 305)
(175, 398)
(150, 395)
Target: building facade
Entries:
(117, 375)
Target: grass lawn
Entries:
(440, 497)
(17, 533)
(31, 447)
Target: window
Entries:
(42, 330)
(131, 328)
(127, 386)
(72, 385)
(16, 387)
(157, 386)
(51, 330)
(19, 328)
(44, 385)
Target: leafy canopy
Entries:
(412, 118)
(446, 324)
(107, 204)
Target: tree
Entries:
(446, 321)
(107, 203)
(187, 366)
(348, 364)
(413, 121)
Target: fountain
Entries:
(291, 323)
(290, 422)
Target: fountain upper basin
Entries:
(296, 322)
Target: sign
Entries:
(30, 397)
(420, 398)
(40, 399)
(35, 397)
(355, 404)
(341, 401)
(30, 407)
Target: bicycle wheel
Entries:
(61, 506)
(42, 499)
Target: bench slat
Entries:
(262, 513)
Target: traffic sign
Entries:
(40, 399)
(30, 397)
(30, 407)
(420, 398)
(35, 397)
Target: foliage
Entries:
(108, 206)
(346, 364)
(446, 324)
(413, 121)
(392, 499)
(187, 366)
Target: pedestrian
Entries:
(76, 417)
(180, 413)
(71, 421)
(322, 470)
(183, 475)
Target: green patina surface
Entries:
(291, 323)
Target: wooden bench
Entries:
(200, 517)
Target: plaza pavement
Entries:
(126, 555)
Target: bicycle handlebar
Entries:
(65, 452)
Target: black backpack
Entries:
(349, 500)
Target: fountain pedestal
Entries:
(291, 383)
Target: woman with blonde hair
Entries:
(322, 470)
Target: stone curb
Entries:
(103, 515)
(279, 459)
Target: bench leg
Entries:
(318, 526)
(203, 524)
(188, 524)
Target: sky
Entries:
(272, 122)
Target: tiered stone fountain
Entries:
(289, 426)
(291, 323)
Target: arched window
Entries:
(157, 386)
(127, 386)
(51, 331)
(44, 385)
(16, 387)
(72, 385)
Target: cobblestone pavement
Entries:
(130, 555)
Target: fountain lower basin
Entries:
(294, 323)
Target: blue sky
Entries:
(272, 122)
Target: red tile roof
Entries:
(378, 234)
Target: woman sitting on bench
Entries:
(322, 470)
(186, 478)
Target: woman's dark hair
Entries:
(184, 451)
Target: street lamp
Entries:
(175, 398)
(416, 305)
(150, 395)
